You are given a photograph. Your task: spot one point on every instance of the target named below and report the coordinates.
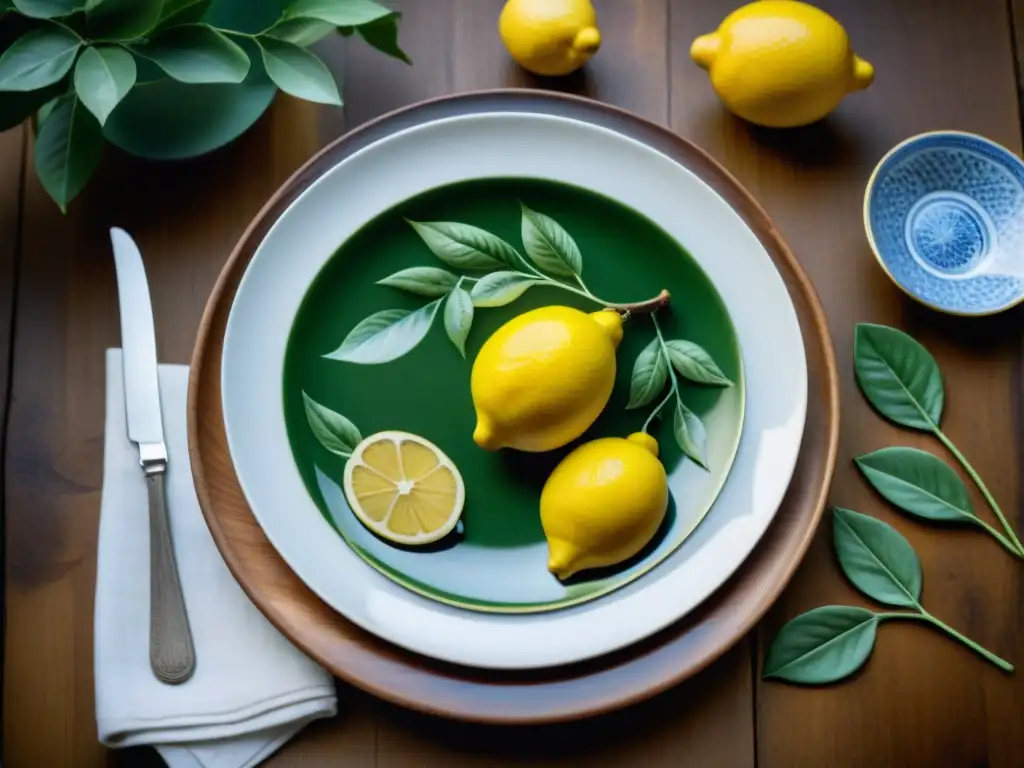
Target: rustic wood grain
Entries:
(11, 185)
(921, 700)
(185, 218)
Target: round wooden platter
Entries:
(549, 695)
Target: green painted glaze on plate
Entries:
(497, 560)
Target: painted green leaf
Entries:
(386, 336)
(876, 558)
(898, 376)
(340, 13)
(464, 246)
(549, 246)
(302, 32)
(335, 433)
(918, 483)
(103, 76)
(382, 34)
(458, 318)
(432, 282)
(197, 53)
(821, 646)
(690, 434)
(500, 288)
(48, 9)
(694, 363)
(650, 374)
(176, 12)
(68, 149)
(121, 19)
(297, 71)
(38, 59)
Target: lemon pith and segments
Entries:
(550, 37)
(404, 488)
(542, 379)
(603, 503)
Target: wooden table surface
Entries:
(921, 701)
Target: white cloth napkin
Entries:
(252, 690)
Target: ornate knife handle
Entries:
(171, 653)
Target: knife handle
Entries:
(171, 653)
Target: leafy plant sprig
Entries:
(332, 430)
(901, 379)
(832, 642)
(70, 63)
(553, 258)
(503, 275)
(664, 362)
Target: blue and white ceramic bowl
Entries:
(944, 214)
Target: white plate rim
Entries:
(453, 634)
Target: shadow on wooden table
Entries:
(643, 729)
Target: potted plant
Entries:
(163, 79)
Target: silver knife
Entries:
(171, 653)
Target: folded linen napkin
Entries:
(252, 690)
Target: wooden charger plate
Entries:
(548, 695)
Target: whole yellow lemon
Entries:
(781, 63)
(550, 37)
(543, 377)
(603, 503)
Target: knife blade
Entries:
(171, 651)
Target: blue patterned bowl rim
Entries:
(1011, 159)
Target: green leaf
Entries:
(382, 34)
(176, 12)
(302, 32)
(103, 76)
(16, 107)
(458, 318)
(121, 19)
(898, 376)
(823, 645)
(500, 288)
(650, 374)
(549, 246)
(876, 558)
(694, 363)
(297, 71)
(340, 13)
(45, 110)
(690, 434)
(48, 9)
(40, 58)
(464, 246)
(335, 433)
(68, 150)
(386, 336)
(918, 483)
(423, 281)
(197, 53)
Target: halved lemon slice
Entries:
(404, 488)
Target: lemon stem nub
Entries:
(704, 49)
(863, 73)
(587, 41)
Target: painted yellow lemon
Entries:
(550, 37)
(781, 63)
(543, 377)
(404, 488)
(603, 503)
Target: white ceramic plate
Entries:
(526, 145)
